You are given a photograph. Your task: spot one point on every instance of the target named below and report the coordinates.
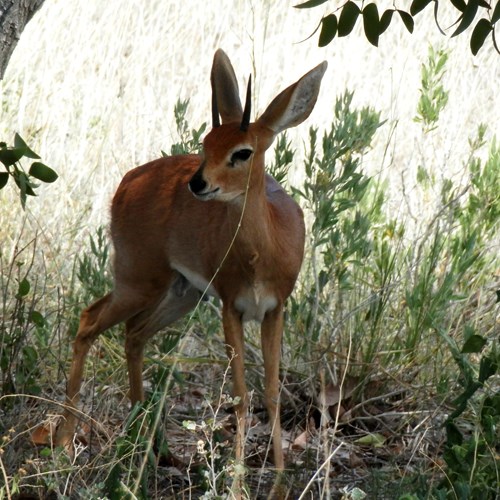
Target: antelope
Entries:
(216, 224)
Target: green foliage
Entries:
(10, 157)
(93, 271)
(460, 249)
(23, 330)
(470, 455)
(282, 161)
(472, 464)
(376, 297)
(333, 191)
(189, 140)
(134, 461)
(433, 96)
(374, 24)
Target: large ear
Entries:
(225, 95)
(295, 103)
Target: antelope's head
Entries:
(233, 151)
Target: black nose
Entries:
(197, 184)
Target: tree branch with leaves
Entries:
(10, 158)
(342, 20)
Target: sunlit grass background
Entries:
(92, 88)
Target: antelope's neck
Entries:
(252, 222)
(255, 258)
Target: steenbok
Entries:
(213, 224)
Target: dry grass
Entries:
(92, 87)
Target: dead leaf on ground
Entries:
(301, 441)
(355, 460)
(331, 394)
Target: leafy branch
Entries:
(341, 22)
(10, 157)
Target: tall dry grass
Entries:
(92, 87)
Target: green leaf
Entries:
(436, 8)
(43, 173)
(487, 368)
(189, 425)
(459, 4)
(496, 13)
(418, 5)
(23, 183)
(481, 31)
(27, 151)
(467, 17)
(407, 20)
(348, 18)
(385, 20)
(473, 344)
(484, 4)
(24, 288)
(309, 4)
(4, 177)
(371, 23)
(45, 452)
(372, 439)
(9, 156)
(30, 355)
(37, 318)
(328, 30)
(453, 435)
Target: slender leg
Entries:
(134, 349)
(100, 316)
(233, 333)
(271, 333)
(177, 302)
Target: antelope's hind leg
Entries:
(180, 298)
(101, 315)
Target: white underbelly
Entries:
(254, 303)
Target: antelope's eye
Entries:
(241, 155)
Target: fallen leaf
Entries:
(355, 460)
(375, 439)
(331, 394)
(301, 441)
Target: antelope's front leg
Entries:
(233, 333)
(271, 333)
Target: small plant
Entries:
(332, 191)
(10, 157)
(215, 472)
(433, 96)
(134, 461)
(189, 140)
(470, 452)
(23, 329)
(93, 270)
(283, 158)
